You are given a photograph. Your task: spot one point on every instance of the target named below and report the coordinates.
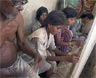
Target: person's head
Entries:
(19, 4)
(7, 10)
(10, 8)
(71, 15)
(41, 14)
(54, 21)
(86, 17)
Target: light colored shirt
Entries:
(76, 28)
(35, 25)
(43, 42)
(32, 27)
(87, 27)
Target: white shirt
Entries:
(43, 42)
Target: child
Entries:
(43, 39)
(79, 29)
(63, 39)
(41, 15)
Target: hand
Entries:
(38, 61)
(80, 43)
(73, 58)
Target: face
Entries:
(54, 29)
(19, 7)
(85, 20)
(19, 4)
(8, 10)
(43, 16)
(70, 21)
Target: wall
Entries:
(31, 7)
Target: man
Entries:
(11, 27)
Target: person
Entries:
(63, 39)
(87, 20)
(43, 39)
(11, 28)
(64, 43)
(79, 28)
(37, 22)
(41, 15)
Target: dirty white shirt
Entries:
(43, 42)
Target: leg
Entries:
(20, 69)
(27, 71)
(46, 70)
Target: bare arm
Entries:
(63, 57)
(69, 58)
(58, 52)
(21, 39)
(58, 41)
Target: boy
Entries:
(63, 39)
(79, 29)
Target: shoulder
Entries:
(35, 25)
(39, 33)
(19, 19)
(19, 16)
(35, 22)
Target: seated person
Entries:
(63, 39)
(11, 28)
(78, 28)
(43, 39)
(87, 20)
(41, 15)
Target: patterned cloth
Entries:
(66, 36)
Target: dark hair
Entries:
(87, 15)
(55, 18)
(40, 11)
(69, 12)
